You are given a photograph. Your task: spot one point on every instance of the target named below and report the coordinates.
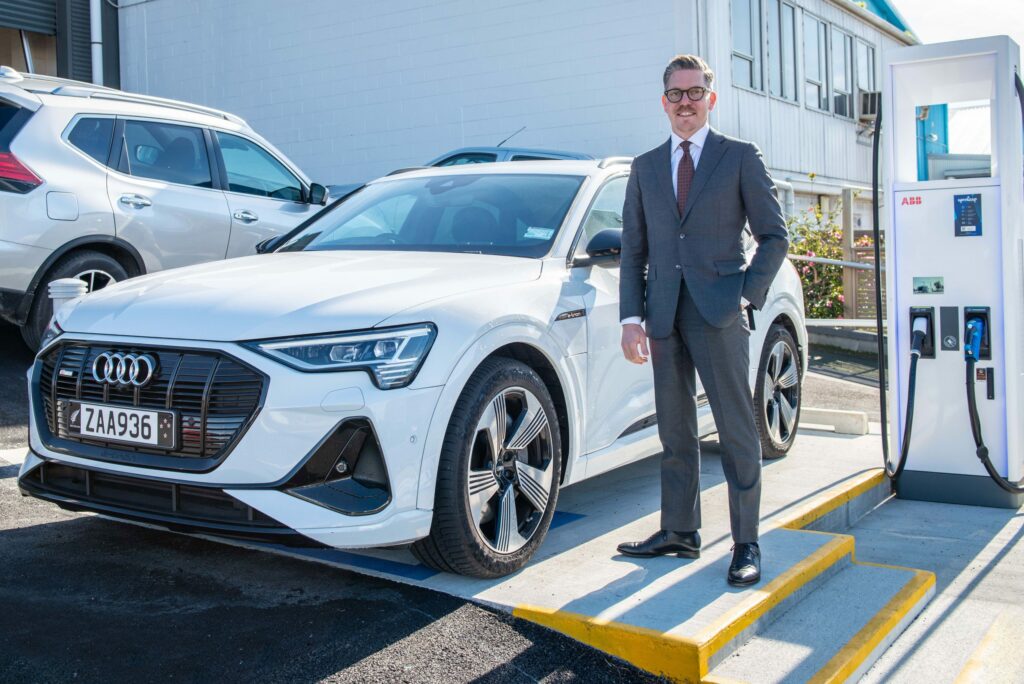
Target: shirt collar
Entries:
(698, 138)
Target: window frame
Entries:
(873, 53)
(222, 170)
(757, 61)
(825, 69)
(112, 152)
(849, 42)
(570, 257)
(119, 152)
(796, 99)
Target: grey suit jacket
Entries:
(660, 248)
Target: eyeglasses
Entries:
(695, 94)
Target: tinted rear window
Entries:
(92, 136)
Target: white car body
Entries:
(479, 304)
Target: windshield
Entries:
(502, 214)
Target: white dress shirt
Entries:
(697, 141)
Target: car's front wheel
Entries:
(497, 480)
(777, 393)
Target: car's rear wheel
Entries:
(95, 269)
(497, 480)
(777, 393)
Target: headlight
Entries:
(51, 333)
(391, 356)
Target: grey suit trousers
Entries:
(721, 357)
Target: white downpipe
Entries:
(96, 38)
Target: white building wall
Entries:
(351, 90)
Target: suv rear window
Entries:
(92, 136)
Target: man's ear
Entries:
(711, 102)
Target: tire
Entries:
(472, 531)
(777, 393)
(97, 269)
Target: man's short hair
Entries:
(689, 62)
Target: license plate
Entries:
(121, 424)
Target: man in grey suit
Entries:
(685, 277)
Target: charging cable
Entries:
(918, 336)
(972, 353)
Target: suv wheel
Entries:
(96, 269)
(497, 480)
(777, 393)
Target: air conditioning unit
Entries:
(870, 103)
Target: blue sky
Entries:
(936, 21)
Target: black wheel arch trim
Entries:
(84, 242)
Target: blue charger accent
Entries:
(972, 345)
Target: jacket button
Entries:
(682, 237)
(679, 267)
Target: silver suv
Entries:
(103, 185)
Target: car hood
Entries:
(283, 294)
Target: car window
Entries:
(506, 214)
(468, 158)
(605, 213)
(167, 152)
(254, 171)
(92, 136)
(531, 157)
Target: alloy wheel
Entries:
(96, 279)
(781, 395)
(511, 473)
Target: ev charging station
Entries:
(954, 191)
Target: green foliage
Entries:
(814, 234)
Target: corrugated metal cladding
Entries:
(81, 49)
(31, 15)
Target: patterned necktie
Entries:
(684, 176)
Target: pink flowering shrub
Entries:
(816, 234)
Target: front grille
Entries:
(215, 396)
(176, 506)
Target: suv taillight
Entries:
(15, 176)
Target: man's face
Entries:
(686, 116)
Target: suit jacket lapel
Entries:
(663, 174)
(709, 158)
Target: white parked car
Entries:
(426, 362)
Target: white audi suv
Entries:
(427, 362)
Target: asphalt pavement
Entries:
(87, 599)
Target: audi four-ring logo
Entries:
(115, 368)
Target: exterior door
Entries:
(619, 393)
(164, 200)
(265, 198)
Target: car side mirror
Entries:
(317, 194)
(270, 244)
(605, 247)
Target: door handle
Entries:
(245, 216)
(135, 201)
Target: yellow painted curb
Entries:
(687, 659)
(851, 656)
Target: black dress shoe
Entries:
(745, 568)
(664, 542)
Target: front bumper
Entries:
(299, 413)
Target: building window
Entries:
(746, 43)
(842, 74)
(865, 67)
(815, 63)
(782, 50)
(27, 51)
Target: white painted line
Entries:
(821, 376)
(14, 456)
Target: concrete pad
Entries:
(977, 556)
(807, 643)
(676, 617)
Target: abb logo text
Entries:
(910, 200)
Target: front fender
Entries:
(571, 371)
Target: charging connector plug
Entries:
(919, 333)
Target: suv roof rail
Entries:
(103, 93)
(10, 74)
(608, 161)
(405, 170)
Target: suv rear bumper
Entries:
(19, 265)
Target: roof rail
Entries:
(101, 93)
(406, 170)
(10, 74)
(608, 161)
